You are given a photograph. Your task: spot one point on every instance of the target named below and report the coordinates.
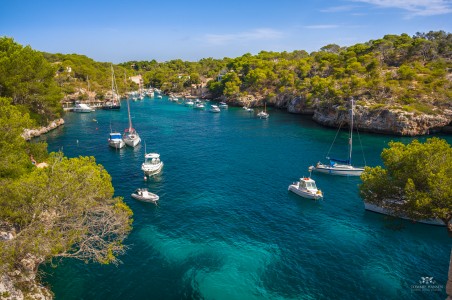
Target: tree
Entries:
(64, 210)
(27, 78)
(416, 183)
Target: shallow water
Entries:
(227, 228)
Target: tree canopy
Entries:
(64, 210)
(416, 181)
(28, 79)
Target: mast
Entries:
(128, 105)
(350, 142)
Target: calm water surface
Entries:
(227, 228)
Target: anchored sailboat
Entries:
(342, 167)
(130, 136)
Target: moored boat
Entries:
(143, 194)
(115, 140)
(152, 164)
(384, 211)
(214, 108)
(82, 108)
(342, 167)
(306, 188)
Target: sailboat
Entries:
(130, 136)
(263, 114)
(114, 102)
(341, 167)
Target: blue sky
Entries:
(119, 31)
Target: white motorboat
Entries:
(143, 194)
(341, 167)
(306, 188)
(223, 105)
(152, 164)
(115, 140)
(384, 211)
(199, 105)
(189, 103)
(82, 108)
(214, 109)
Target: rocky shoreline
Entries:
(28, 134)
(382, 120)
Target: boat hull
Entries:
(341, 170)
(150, 170)
(132, 142)
(294, 188)
(116, 144)
(380, 210)
(150, 198)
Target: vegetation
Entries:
(64, 210)
(416, 181)
(397, 71)
(28, 79)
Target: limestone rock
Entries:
(31, 133)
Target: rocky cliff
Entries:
(20, 283)
(379, 120)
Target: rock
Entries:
(31, 133)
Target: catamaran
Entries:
(342, 167)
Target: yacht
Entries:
(189, 103)
(115, 140)
(306, 188)
(152, 164)
(223, 105)
(214, 109)
(82, 108)
(199, 105)
(263, 114)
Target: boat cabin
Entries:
(308, 183)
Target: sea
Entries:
(226, 226)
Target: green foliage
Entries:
(416, 181)
(64, 210)
(28, 79)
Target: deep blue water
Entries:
(227, 228)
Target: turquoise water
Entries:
(227, 228)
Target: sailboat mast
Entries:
(350, 142)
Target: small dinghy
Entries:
(144, 195)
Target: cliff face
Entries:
(21, 283)
(386, 121)
(382, 120)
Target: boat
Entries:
(189, 103)
(384, 211)
(130, 136)
(214, 109)
(82, 108)
(143, 194)
(114, 102)
(223, 105)
(306, 188)
(340, 166)
(115, 140)
(152, 164)
(263, 114)
(199, 105)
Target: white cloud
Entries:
(256, 34)
(341, 8)
(321, 26)
(415, 7)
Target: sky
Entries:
(119, 31)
